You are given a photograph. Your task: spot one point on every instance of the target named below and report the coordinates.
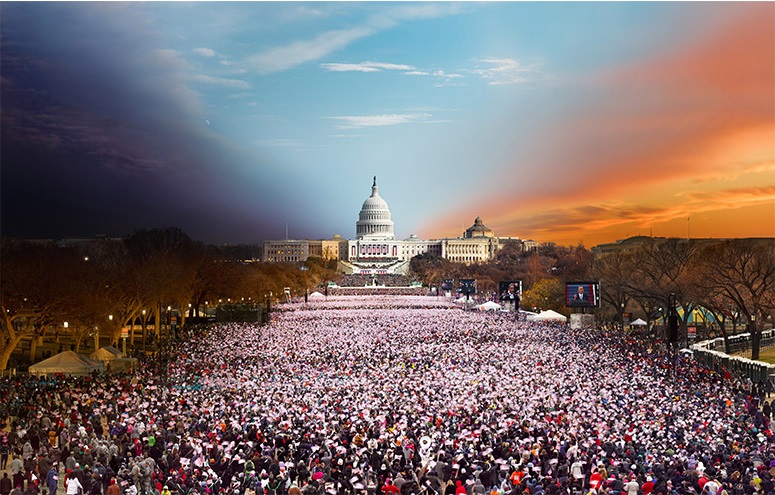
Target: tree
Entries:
(742, 273)
(166, 261)
(664, 267)
(615, 272)
(35, 292)
(546, 293)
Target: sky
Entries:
(573, 123)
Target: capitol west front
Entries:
(375, 249)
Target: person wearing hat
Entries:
(632, 487)
(389, 488)
(648, 486)
(113, 488)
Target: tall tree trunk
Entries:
(756, 337)
(7, 350)
(157, 321)
(33, 348)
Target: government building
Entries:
(375, 249)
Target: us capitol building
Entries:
(375, 250)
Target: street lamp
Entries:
(622, 317)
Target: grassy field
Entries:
(767, 355)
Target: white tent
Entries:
(549, 315)
(638, 323)
(489, 306)
(107, 353)
(66, 363)
(316, 294)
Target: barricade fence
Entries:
(711, 354)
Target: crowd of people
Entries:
(386, 396)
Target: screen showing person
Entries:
(510, 291)
(580, 294)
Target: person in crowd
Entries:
(73, 485)
(5, 484)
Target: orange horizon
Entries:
(685, 134)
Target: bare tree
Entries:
(742, 272)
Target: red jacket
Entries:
(390, 488)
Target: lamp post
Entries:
(622, 316)
(144, 322)
(169, 320)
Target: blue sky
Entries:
(231, 120)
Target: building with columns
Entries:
(375, 250)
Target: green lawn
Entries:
(767, 355)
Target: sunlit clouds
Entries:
(683, 133)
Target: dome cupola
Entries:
(374, 219)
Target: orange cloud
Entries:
(688, 131)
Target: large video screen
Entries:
(582, 294)
(467, 286)
(448, 284)
(510, 290)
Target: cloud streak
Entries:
(360, 121)
(222, 81)
(205, 52)
(365, 67)
(503, 71)
(282, 58)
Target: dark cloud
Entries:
(101, 135)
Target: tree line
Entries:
(105, 285)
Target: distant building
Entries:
(633, 243)
(375, 250)
(286, 251)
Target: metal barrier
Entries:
(758, 371)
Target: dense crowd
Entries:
(384, 279)
(391, 398)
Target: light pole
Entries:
(144, 329)
(169, 321)
(622, 317)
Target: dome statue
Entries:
(374, 219)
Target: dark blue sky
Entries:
(101, 136)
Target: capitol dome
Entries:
(374, 219)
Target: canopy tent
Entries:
(316, 294)
(549, 315)
(66, 363)
(107, 353)
(638, 323)
(489, 306)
